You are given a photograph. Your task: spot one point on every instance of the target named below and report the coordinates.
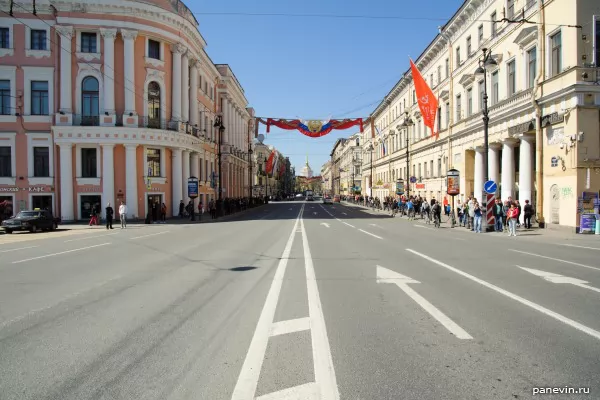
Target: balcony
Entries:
(86, 120)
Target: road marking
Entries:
(90, 237)
(369, 233)
(57, 254)
(308, 391)
(375, 225)
(152, 234)
(314, 212)
(245, 388)
(322, 359)
(345, 223)
(344, 213)
(555, 259)
(565, 320)
(581, 247)
(20, 248)
(421, 226)
(325, 224)
(556, 278)
(385, 275)
(290, 326)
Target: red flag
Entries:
(427, 102)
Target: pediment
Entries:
(526, 36)
(467, 80)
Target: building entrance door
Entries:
(87, 202)
(43, 202)
(154, 203)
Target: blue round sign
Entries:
(490, 187)
(413, 179)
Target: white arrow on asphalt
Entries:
(556, 278)
(325, 223)
(344, 213)
(374, 225)
(385, 275)
(314, 212)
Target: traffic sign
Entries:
(490, 187)
(413, 179)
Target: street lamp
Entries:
(221, 128)
(405, 124)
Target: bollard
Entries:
(597, 227)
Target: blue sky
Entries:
(313, 67)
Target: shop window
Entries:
(153, 162)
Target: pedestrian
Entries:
(163, 213)
(511, 216)
(123, 215)
(528, 213)
(181, 209)
(94, 215)
(109, 216)
(476, 217)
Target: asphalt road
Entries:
(299, 301)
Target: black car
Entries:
(32, 221)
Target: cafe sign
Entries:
(14, 189)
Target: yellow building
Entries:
(543, 101)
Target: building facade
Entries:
(102, 104)
(326, 174)
(275, 183)
(544, 109)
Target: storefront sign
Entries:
(587, 223)
(420, 186)
(34, 189)
(551, 119)
(522, 128)
(93, 189)
(9, 189)
(453, 182)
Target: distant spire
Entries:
(307, 160)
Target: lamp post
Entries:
(219, 125)
(405, 124)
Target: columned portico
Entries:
(108, 175)
(494, 162)
(109, 75)
(186, 174)
(508, 168)
(195, 161)
(176, 96)
(479, 175)
(131, 196)
(66, 107)
(526, 160)
(193, 95)
(66, 182)
(226, 113)
(185, 91)
(129, 63)
(177, 179)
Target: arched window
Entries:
(90, 101)
(154, 111)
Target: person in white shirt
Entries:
(123, 215)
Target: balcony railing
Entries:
(86, 120)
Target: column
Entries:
(195, 158)
(186, 175)
(478, 178)
(109, 71)
(66, 34)
(131, 193)
(526, 160)
(176, 179)
(177, 50)
(225, 116)
(108, 175)
(185, 91)
(194, 113)
(201, 124)
(494, 162)
(66, 182)
(508, 169)
(129, 37)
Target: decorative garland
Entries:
(310, 128)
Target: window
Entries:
(447, 114)
(480, 34)
(494, 24)
(153, 49)
(414, 96)
(431, 80)
(469, 102)
(88, 42)
(439, 167)
(5, 162)
(469, 47)
(597, 41)
(41, 162)
(154, 111)
(39, 98)
(425, 171)
(495, 95)
(420, 175)
(431, 168)
(439, 73)
(481, 88)
(5, 108)
(458, 57)
(89, 163)
(556, 55)
(531, 67)
(458, 107)
(153, 161)
(439, 118)
(512, 79)
(510, 9)
(447, 67)
(4, 38)
(38, 39)
(90, 103)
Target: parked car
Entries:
(32, 221)
(327, 199)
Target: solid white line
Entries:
(245, 388)
(421, 226)
(62, 252)
(290, 326)
(369, 233)
(555, 259)
(435, 312)
(90, 237)
(565, 320)
(152, 234)
(345, 223)
(322, 359)
(20, 248)
(308, 391)
(587, 287)
(581, 247)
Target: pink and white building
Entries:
(111, 101)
